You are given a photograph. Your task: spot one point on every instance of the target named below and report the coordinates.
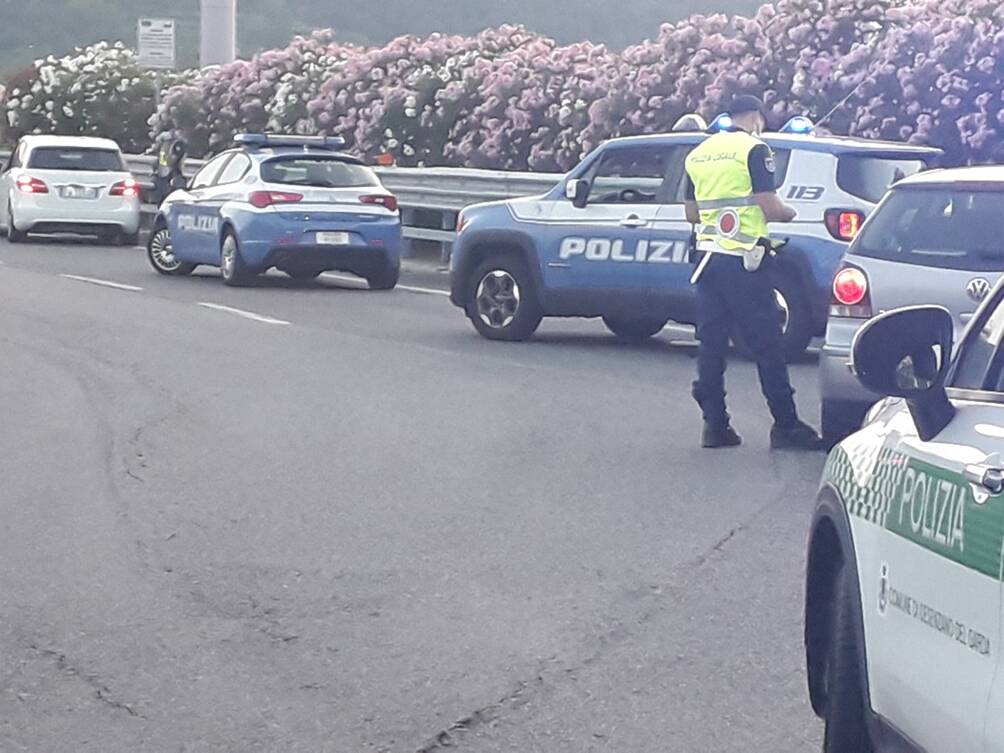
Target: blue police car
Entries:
(612, 239)
(289, 202)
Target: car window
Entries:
(321, 171)
(635, 175)
(980, 364)
(869, 177)
(235, 170)
(782, 158)
(941, 227)
(76, 158)
(207, 175)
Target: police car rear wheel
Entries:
(384, 279)
(796, 327)
(161, 254)
(634, 330)
(501, 302)
(232, 266)
(846, 725)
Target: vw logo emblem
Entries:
(978, 288)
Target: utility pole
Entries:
(218, 32)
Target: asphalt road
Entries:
(348, 524)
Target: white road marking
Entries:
(103, 283)
(362, 283)
(241, 312)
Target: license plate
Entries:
(76, 192)
(333, 239)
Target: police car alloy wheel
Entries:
(232, 267)
(501, 301)
(161, 255)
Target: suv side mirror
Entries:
(906, 353)
(577, 191)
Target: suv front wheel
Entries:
(844, 679)
(501, 302)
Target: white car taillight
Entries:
(28, 184)
(128, 188)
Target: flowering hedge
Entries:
(925, 71)
(98, 91)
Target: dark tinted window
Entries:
(782, 158)
(937, 227)
(979, 366)
(869, 178)
(71, 158)
(636, 175)
(325, 172)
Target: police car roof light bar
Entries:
(799, 125)
(262, 140)
(722, 123)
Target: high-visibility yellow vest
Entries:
(723, 188)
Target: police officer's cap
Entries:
(747, 103)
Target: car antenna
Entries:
(853, 91)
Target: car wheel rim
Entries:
(782, 303)
(497, 299)
(163, 252)
(229, 254)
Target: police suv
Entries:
(612, 239)
(903, 588)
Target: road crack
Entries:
(555, 671)
(101, 691)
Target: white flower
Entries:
(67, 111)
(409, 150)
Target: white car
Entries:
(69, 184)
(934, 238)
(903, 612)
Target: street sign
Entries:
(156, 43)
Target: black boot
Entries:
(715, 436)
(795, 436)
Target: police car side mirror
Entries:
(906, 353)
(577, 191)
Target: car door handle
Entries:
(633, 220)
(991, 479)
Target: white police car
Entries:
(903, 587)
(612, 239)
(291, 202)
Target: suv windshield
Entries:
(937, 227)
(75, 158)
(870, 177)
(323, 172)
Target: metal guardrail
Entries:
(430, 197)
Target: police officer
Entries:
(168, 174)
(731, 197)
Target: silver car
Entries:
(937, 237)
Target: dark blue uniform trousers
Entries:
(728, 299)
